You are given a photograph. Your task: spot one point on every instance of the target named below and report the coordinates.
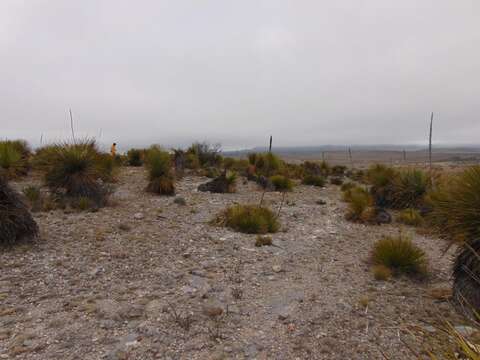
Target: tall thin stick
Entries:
(350, 157)
(268, 172)
(281, 203)
(71, 126)
(430, 144)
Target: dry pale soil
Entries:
(147, 278)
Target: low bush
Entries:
(159, 166)
(410, 217)
(250, 219)
(338, 170)
(16, 222)
(400, 255)
(347, 186)
(225, 183)
(381, 179)
(135, 157)
(315, 180)
(204, 155)
(281, 183)
(263, 241)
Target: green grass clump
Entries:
(411, 217)
(266, 164)
(281, 183)
(135, 157)
(359, 201)
(12, 162)
(400, 255)
(315, 180)
(74, 169)
(347, 186)
(159, 166)
(381, 179)
(16, 222)
(250, 219)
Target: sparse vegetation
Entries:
(249, 219)
(336, 180)
(16, 222)
(358, 202)
(225, 183)
(400, 255)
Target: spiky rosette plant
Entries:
(410, 188)
(456, 213)
(160, 178)
(16, 222)
(73, 169)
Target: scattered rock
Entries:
(138, 216)
(276, 268)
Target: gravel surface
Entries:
(150, 278)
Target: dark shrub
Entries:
(225, 183)
(16, 223)
(135, 157)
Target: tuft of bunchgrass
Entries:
(12, 163)
(410, 217)
(281, 183)
(315, 180)
(250, 219)
(359, 201)
(381, 272)
(400, 255)
(16, 222)
(263, 241)
(159, 166)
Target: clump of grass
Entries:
(359, 201)
(203, 155)
(315, 180)
(281, 183)
(265, 164)
(400, 255)
(74, 170)
(249, 219)
(159, 165)
(411, 217)
(16, 222)
(34, 197)
(135, 157)
(263, 241)
(12, 163)
(381, 272)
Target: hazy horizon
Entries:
(308, 72)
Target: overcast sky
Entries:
(308, 72)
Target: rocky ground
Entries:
(150, 278)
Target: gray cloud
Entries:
(308, 72)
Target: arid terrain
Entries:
(147, 278)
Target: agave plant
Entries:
(409, 188)
(16, 222)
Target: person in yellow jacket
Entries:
(113, 149)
